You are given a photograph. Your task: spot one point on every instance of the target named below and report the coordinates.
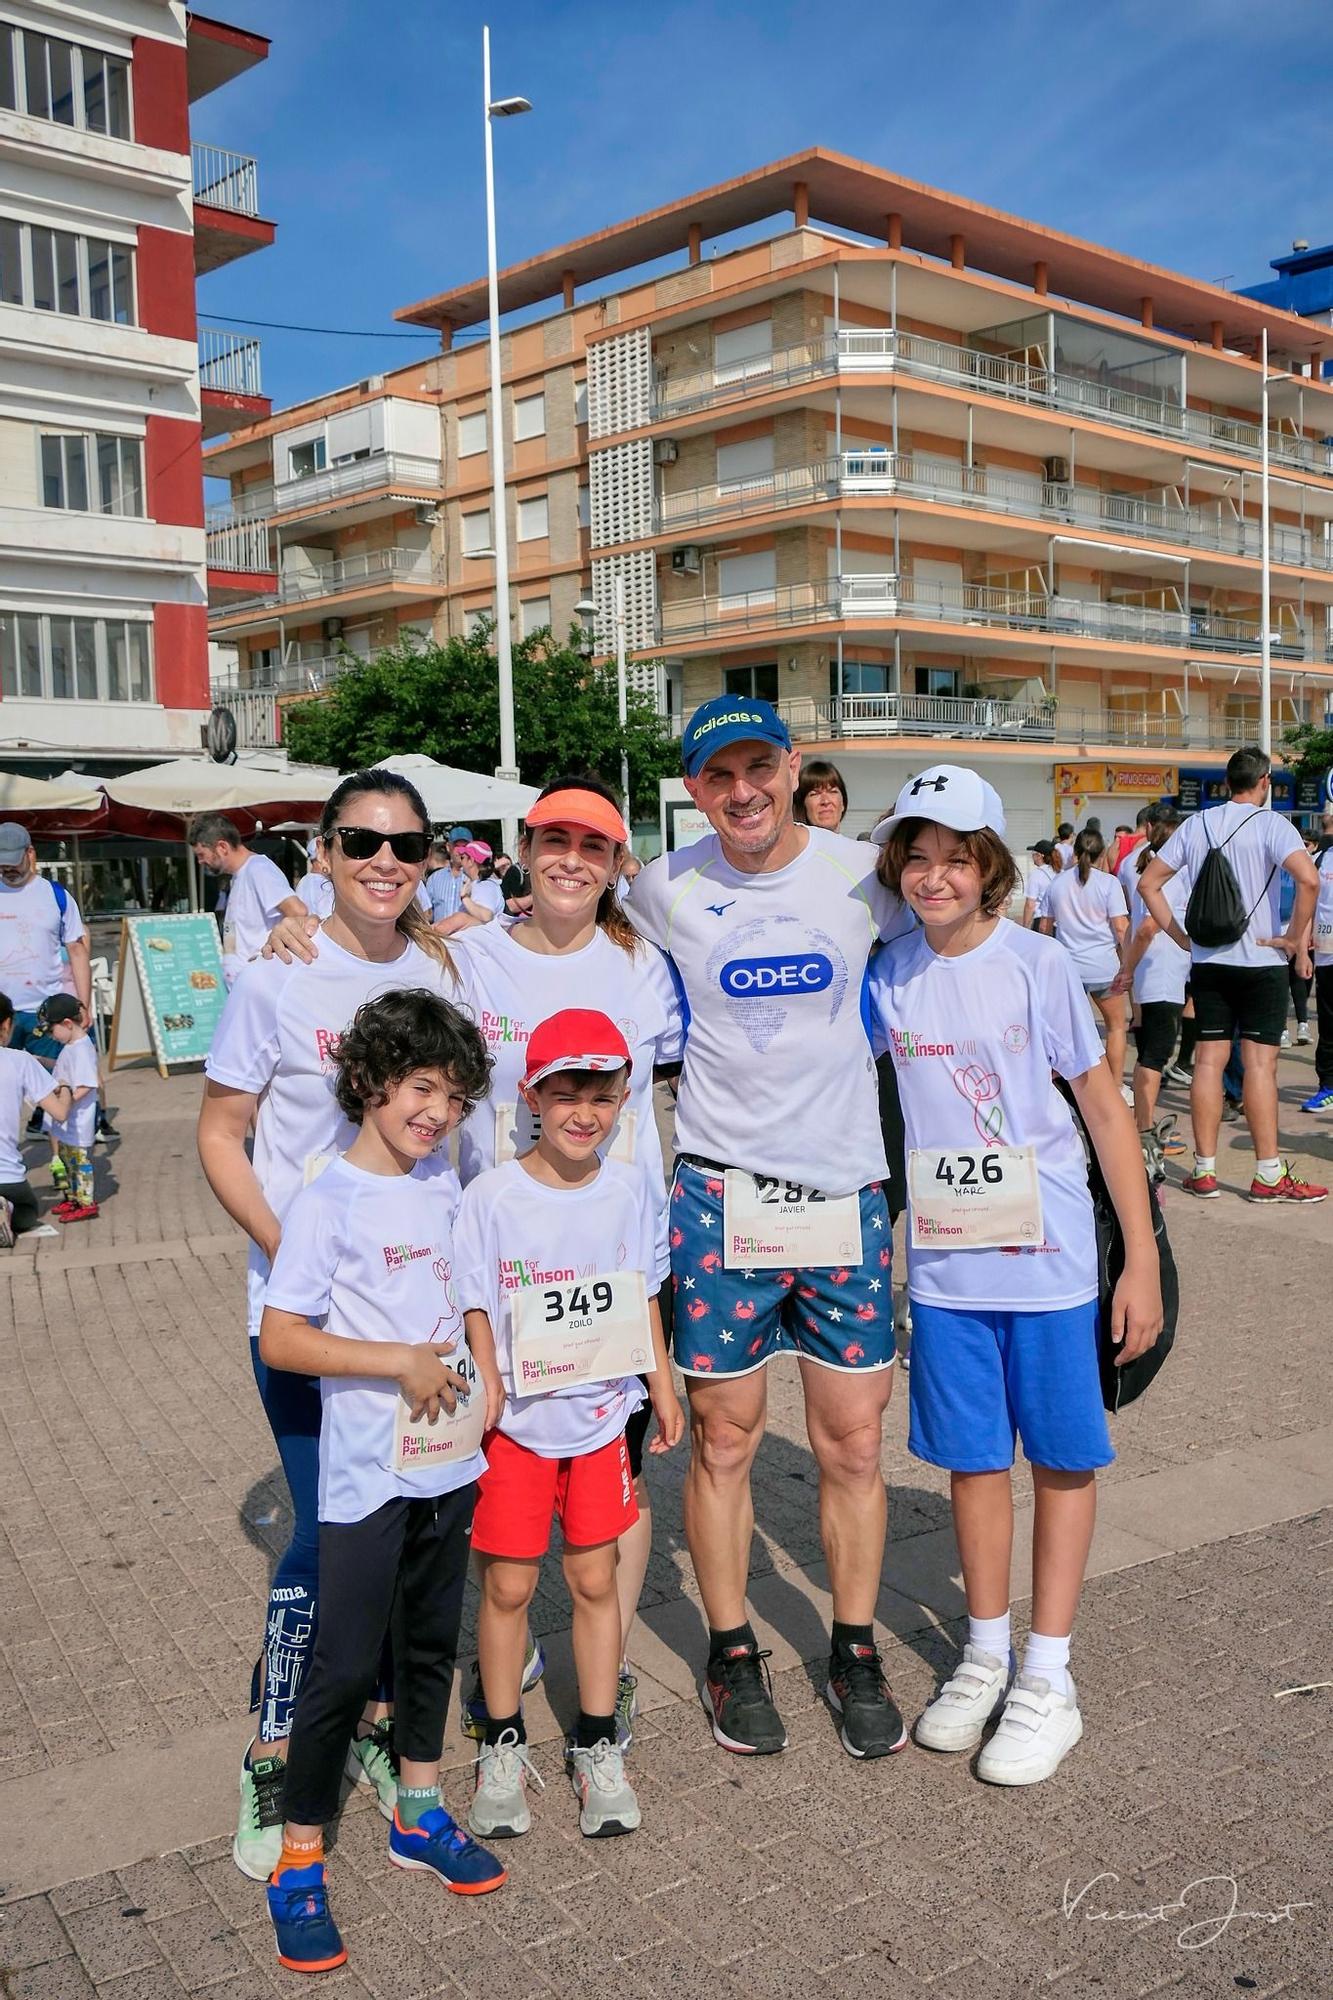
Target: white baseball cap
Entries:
(949, 795)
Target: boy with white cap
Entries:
(1002, 1252)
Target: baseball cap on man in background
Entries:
(15, 840)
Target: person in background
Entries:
(256, 888)
(446, 882)
(71, 1133)
(1121, 842)
(1321, 1098)
(483, 899)
(1064, 843)
(1040, 875)
(1085, 909)
(630, 866)
(821, 796)
(40, 927)
(1128, 846)
(22, 1080)
(1299, 984)
(1155, 971)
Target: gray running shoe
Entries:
(499, 1809)
(606, 1798)
(627, 1707)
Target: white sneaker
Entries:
(499, 1809)
(1285, 1043)
(606, 1797)
(1037, 1730)
(965, 1704)
(1303, 1033)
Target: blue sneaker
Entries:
(474, 1715)
(1321, 1101)
(307, 1937)
(440, 1847)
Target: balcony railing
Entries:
(912, 354)
(361, 575)
(884, 473)
(294, 676)
(239, 545)
(1006, 721)
(359, 475)
(228, 363)
(888, 597)
(225, 180)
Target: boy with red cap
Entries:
(556, 1267)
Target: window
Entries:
(64, 658)
(533, 519)
(580, 402)
(585, 506)
(937, 680)
(743, 351)
(530, 416)
(472, 434)
(749, 463)
(479, 615)
(477, 532)
(65, 82)
(88, 276)
(864, 677)
(745, 580)
(305, 459)
(533, 614)
(759, 682)
(97, 475)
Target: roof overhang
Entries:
(852, 195)
(215, 52)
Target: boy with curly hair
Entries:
(361, 1295)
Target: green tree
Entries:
(1309, 749)
(442, 700)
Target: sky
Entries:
(1190, 133)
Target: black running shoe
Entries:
(739, 1695)
(105, 1129)
(859, 1693)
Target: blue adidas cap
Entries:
(729, 718)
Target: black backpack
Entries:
(1216, 914)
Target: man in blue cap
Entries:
(780, 1233)
(445, 886)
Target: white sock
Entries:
(1048, 1659)
(1204, 1163)
(990, 1635)
(1268, 1171)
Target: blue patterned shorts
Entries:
(732, 1322)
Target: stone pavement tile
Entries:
(391, 1965)
(162, 1888)
(85, 1891)
(488, 1970)
(63, 1979)
(522, 1913)
(31, 1933)
(158, 1983)
(109, 1943)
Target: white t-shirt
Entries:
(512, 1232)
(1065, 850)
(778, 1077)
(1082, 912)
(276, 1037)
(370, 1256)
(976, 1038)
(1127, 874)
(32, 930)
(22, 1081)
(253, 895)
(508, 990)
(1162, 971)
(488, 894)
(1039, 878)
(1256, 854)
(1323, 910)
(75, 1065)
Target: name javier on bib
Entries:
(772, 1225)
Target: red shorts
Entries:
(519, 1492)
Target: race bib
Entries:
(776, 1225)
(516, 1134)
(450, 1439)
(590, 1330)
(989, 1199)
(315, 1164)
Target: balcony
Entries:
(888, 599)
(300, 674)
(881, 350)
(396, 476)
(372, 581)
(885, 474)
(230, 389)
(951, 717)
(227, 222)
(239, 562)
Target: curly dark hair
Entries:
(401, 1032)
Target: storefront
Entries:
(1304, 799)
(1112, 793)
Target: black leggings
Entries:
(1300, 996)
(23, 1196)
(400, 1571)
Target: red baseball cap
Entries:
(575, 1038)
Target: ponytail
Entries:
(1088, 850)
(417, 928)
(612, 918)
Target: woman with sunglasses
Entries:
(270, 1068)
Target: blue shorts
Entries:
(732, 1322)
(979, 1379)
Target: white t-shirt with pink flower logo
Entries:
(276, 1037)
(370, 1257)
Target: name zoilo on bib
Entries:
(775, 1225)
(989, 1199)
(452, 1437)
(592, 1329)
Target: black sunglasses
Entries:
(362, 843)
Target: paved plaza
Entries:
(142, 1510)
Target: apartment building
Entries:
(107, 384)
(937, 480)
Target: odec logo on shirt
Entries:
(793, 974)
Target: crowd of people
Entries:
(473, 1278)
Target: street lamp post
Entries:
(1265, 580)
(499, 107)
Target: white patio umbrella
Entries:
(189, 785)
(70, 791)
(450, 794)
